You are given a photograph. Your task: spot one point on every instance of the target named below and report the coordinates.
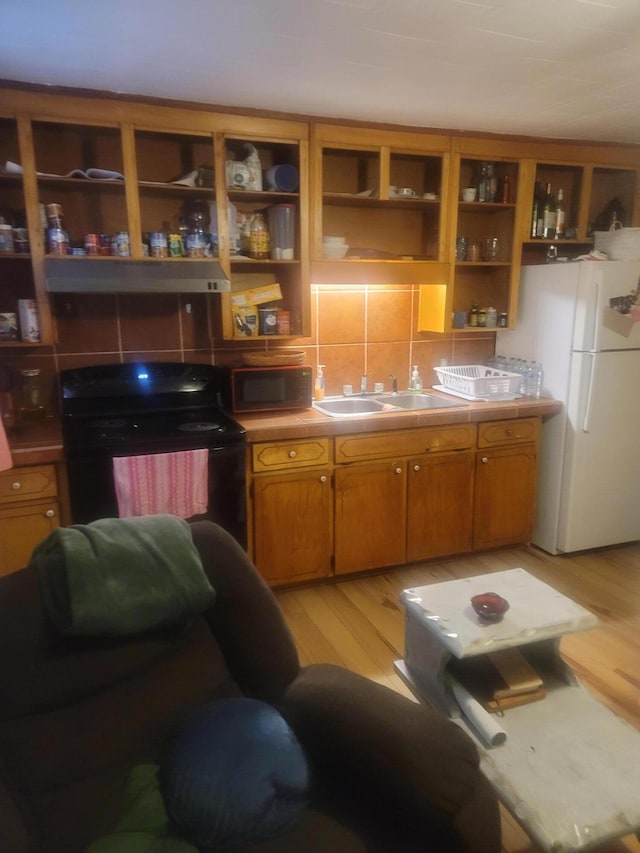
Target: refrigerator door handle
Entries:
(592, 374)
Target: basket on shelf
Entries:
(479, 382)
(274, 358)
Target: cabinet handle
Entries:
(323, 478)
(292, 454)
(398, 470)
(484, 460)
(50, 513)
(17, 485)
(416, 467)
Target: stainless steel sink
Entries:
(349, 406)
(420, 401)
(345, 407)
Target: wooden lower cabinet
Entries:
(505, 482)
(293, 535)
(440, 505)
(370, 516)
(396, 497)
(29, 511)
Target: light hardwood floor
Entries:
(359, 623)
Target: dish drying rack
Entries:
(478, 382)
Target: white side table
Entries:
(569, 769)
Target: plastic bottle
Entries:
(535, 376)
(258, 238)
(415, 383)
(318, 391)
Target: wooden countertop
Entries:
(41, 442)
(310, 423)
(36, 443)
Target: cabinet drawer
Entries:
(358, 448)
(28, 483)
(519, 431)
(270, 456)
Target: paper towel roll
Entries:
(482, 721)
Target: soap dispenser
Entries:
(415, 383)
(318, 391)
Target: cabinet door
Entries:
(371, 518)
(440, 505)
(292, 525)
(21, 529)
(505, 484)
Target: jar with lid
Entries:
(198, 237)
(30, 405)
(482, 317)
(473, 315)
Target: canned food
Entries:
(105, 244)
(92, 244)
(122, 244)
(158, 243)
(283, 322)
(196, 244)
(175, 246)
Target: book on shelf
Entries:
(499, 680)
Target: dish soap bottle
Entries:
(415, 383)
(318, 391)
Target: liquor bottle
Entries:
(536, 210)
(560, 215)
(549, 215)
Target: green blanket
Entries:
(121, 576)
(143, 826)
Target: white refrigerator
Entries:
(589, 468)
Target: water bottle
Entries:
(533, 382)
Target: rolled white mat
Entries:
(483, 722)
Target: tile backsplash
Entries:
(356, 330)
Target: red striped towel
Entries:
(5, 453)
(173, 483)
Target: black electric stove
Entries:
(137, 409)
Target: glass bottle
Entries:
(534, 211)
(549, 215)
(30, 406)
(560, 215)
(258, 238)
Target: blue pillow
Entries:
(233, 774)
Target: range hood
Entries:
(117, 275)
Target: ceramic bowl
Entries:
(490, 606)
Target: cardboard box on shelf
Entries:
(256, 296)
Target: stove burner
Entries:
(109, 423)
(199, 426)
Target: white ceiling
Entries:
(559, 68)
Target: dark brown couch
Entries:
(76, 715)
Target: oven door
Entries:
(92, 491)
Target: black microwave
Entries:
(270, 389)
